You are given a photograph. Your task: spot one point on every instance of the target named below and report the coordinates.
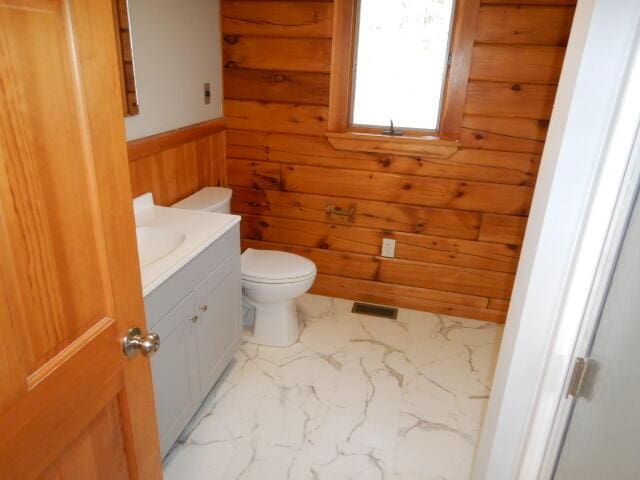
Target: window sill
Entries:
(377, 143)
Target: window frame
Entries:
(345, 24)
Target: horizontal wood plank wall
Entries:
(458, 223)
(175, 164)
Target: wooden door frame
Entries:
(582, 201)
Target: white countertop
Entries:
(200, 229)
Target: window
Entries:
(401, 60)
(402, 50)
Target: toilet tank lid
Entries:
(209, 198)
(271, 265)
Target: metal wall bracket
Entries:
(333, 210)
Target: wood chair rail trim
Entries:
(146, 146)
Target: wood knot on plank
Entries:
(278, 78)
(516, 87)
(406, 186)
(230, 64)
(478, 135)
(231, 39)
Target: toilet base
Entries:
(276, 324)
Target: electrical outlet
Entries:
(388, 247)
(207, 93)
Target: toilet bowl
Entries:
(271, 280)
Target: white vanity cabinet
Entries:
(218, 320)
(198, 314)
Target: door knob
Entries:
(134, 342)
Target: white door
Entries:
(602, 436)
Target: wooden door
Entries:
(71, 405)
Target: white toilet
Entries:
(271, 280)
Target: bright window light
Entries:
(401, 62)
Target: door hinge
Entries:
(580, 367)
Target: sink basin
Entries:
(155, 243)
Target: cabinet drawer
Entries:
(159, 302)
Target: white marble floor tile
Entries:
(357, 397)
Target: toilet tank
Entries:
(209, 199)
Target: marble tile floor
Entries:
(357, 397)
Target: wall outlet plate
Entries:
(388, 247)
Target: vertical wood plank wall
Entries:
(175, 164)
(285, 175)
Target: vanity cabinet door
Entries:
(175, 372)
(219, 326)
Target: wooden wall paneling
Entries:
(409, 246)
(382, 215)
(211, 153)
(275, 117)
(498, 304)
(463, 253)
(344, 238)
(175, 164)
(308, 88)
(278, 18)
(530, 25)
(479, 165)
(426, 191)
(403, 296)
(401, 272)
(504, 134)
(273, 53)
(444, 277)
(517, 63)
(394, 290)
(249, 173)
(521, 100)
(457, 221)
(502, 229)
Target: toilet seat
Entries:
(275, 267)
